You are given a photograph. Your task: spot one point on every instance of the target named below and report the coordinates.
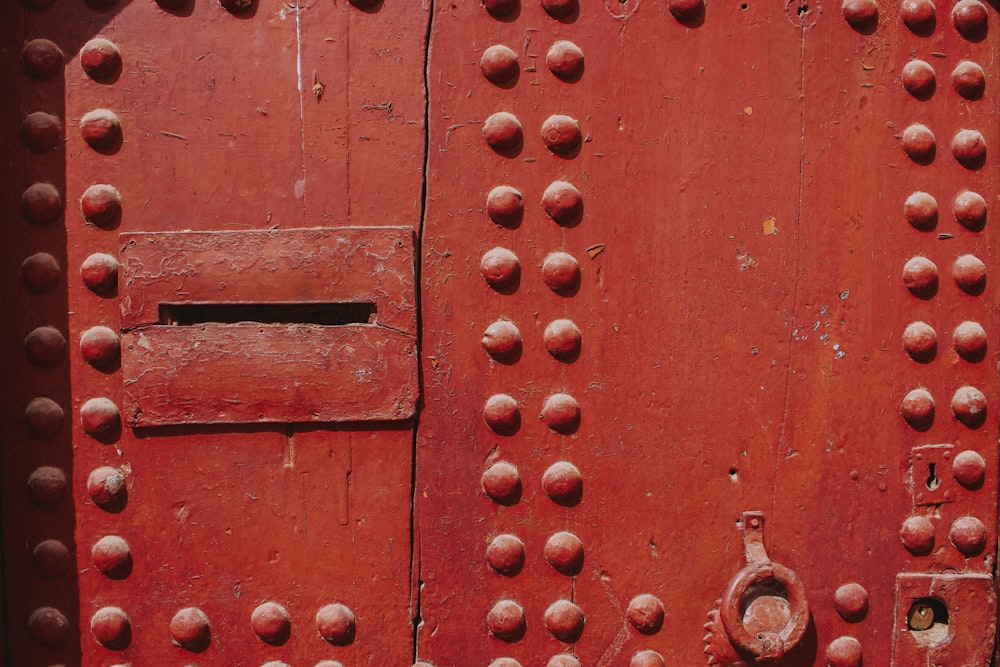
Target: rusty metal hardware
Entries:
(762, 573)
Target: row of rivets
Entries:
(561, 134)
(561, 201)
(968, 146)
(234, 6)
(501, 269)
(968, 404)
(685, 11)
(920, 80)
(641, 659)
(563, 551)
(562, 482)
(41, 205)
(920, 275)
(560, 412)
(562, 338)
(563, 619)
(499, 63)
(967, 534)
(969, 208)
(970, 17)
(920, 341)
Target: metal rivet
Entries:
(968, 534)
(563, 340)
(862, 15)
(41, 273)
(499, 65)
(505, 662)
(970, 18)
(502, 483)
(502, 341)
(47, 486)
(647, 659)
(920, 276)
(561, 413)
(100, 347)
(564, 620)
(970, 274)
(918, 15)
(851, 602)
(112, 557)
(563, 203)
(561, 272)
(564, 552)
(844, 652)
(101, 206)
(101, 60)
(918, 79)
(236, 6)
(645, 613)
(969, 148)
(563, 483)
(561, 134)
(111, 628)
(970, 341)
(969, 80)
(502, 131)
(563, 660)
(44, 418)
(106, 487)
(499, 8)
(505, 554)
(102, 130)
(920, 341)
(502, 414)
(100, 274)
(919, 143)
(969, 406)
(687, 11)
(190, 629)
(506, 621)
(917, 535)
(501, 269)
(336, 624)
(560, 9)
(41, 132)
(969, 469)
(565, 60)
(51, 559)
(41, 204)
(42, 59)
(271, 623)
(921, 211)
(44, 346)
(101, 419)
(505, 206)
(970, 210)
(48, 626)
(917, 409)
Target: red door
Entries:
(516, 333)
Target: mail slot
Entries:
(301, 325)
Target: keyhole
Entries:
(928, 620)
(933, 481)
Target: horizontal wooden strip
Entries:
(322, 265)
(247, 372)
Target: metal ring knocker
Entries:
(765, 645)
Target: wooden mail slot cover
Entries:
(284, 326)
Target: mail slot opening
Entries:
(330, 314)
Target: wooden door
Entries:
(556, 332)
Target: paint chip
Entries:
(771, 226)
